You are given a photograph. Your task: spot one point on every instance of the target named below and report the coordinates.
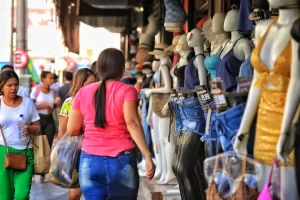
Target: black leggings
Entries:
(188, 166)
(48, 127)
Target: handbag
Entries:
(243, 191)
(13, 160)
(42, 152)
(159, 100)
(266, 194)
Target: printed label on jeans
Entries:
(180, 94)
(174, 95)
(203, 95)
(244, 83)
(219, 94)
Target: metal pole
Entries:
(12, 31)
(21, 28)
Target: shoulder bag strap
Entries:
(4, 140)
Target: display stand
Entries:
(152, 191)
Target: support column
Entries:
(21, 28)
(12, 31)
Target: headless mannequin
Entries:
(197, 42)
(243, 48)
(167, 148)
(154, 132)
(218, 29)
(276, 40)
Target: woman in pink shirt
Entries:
(108, 167)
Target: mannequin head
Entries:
(279, 3)
(218, 23)
(231, 20)
(182, 44)
(172, 47)
(195, 38)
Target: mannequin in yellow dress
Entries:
(272, 62)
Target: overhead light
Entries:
(139, 9)
(72, 4)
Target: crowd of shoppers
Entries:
(105, 112)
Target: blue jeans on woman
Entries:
(103, 177)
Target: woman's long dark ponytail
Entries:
(110, 65)
(100, 102)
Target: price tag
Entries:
(244, 83)
(174, 95)
(203, 95)
(218, 94)
(180, 94)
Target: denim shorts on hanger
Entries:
(227, 125)
(189, 116)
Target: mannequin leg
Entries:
(156, 146)
(176, 159)
(168, 149)
(287, 182)
(188, 162)
(199, 170)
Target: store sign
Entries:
(244, 83)
(20, 59)
(203, 95)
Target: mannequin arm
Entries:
(153, 26)
(293, 93)
(165, 109)
(247, 48)
(287, 138)
(240, 146)
(243, 49)
(167, 81)
(202, 73)
(149, 114)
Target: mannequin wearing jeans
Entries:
(274, 41)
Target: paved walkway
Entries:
(47, 191)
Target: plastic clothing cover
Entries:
(65, 161)
(232, 176)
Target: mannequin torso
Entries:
(275, 44)
(196, 40)
(220, 40)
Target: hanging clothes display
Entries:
(211, 63)
(191, 78)
(179, 73)
(245, 25)
(228, 69)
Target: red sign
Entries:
(20, 58)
